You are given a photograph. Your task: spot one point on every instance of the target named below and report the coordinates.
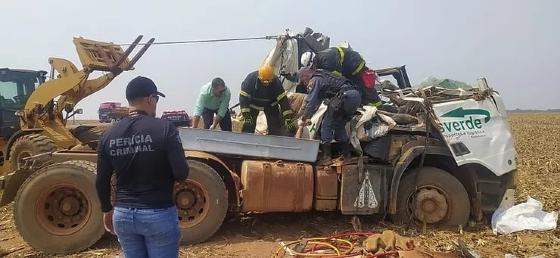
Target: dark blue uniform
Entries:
(271, 99)
(147, 157)
(350, 64)
(343, 100)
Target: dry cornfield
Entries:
(537, 140)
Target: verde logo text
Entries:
(469, 119)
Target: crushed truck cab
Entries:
(455, 162)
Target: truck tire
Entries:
(202, 203)
(29, 145)
(441, 200)
(56, 210)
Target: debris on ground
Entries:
(524, 216)
(358, 245)
(467, 251)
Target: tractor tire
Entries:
(56, 210)
(202, 203)
(437, 198)
(29, 145)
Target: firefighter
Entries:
(343, 60)
(342, 99)
(262, 91)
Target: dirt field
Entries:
(537, 138)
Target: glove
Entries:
(290, 123)
(247, 119)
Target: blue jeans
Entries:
(147, 232)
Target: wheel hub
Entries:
(70, 206)
(431, 205)
(186, 199)
(63, 211)
(192, 203)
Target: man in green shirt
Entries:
(213, 105)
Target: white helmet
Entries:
(307, 59)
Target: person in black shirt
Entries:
(146, 156)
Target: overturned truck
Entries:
(443, 157)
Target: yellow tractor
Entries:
(34, 111)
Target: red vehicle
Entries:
(178, 118)
(111, 111)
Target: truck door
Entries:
(478, 131)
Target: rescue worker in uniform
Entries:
(262, 91)
(342, 99)
(350, 64)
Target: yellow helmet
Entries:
(266, 74)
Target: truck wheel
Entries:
(202, 203)
(27, 146)
(440, 199)
(56, 209)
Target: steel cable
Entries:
(206, 40)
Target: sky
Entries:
(513, 43)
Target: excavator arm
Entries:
(72, 85)
(44, 111)
(68, 100)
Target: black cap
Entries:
(141, 87)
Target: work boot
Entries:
(325, 157)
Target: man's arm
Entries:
(199, 107)
(176, 154)
(245, 95)
(103, 180)
(222, 110)
(224, 105)
(281, 96)
(312, 100)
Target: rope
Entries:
(206, 41)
